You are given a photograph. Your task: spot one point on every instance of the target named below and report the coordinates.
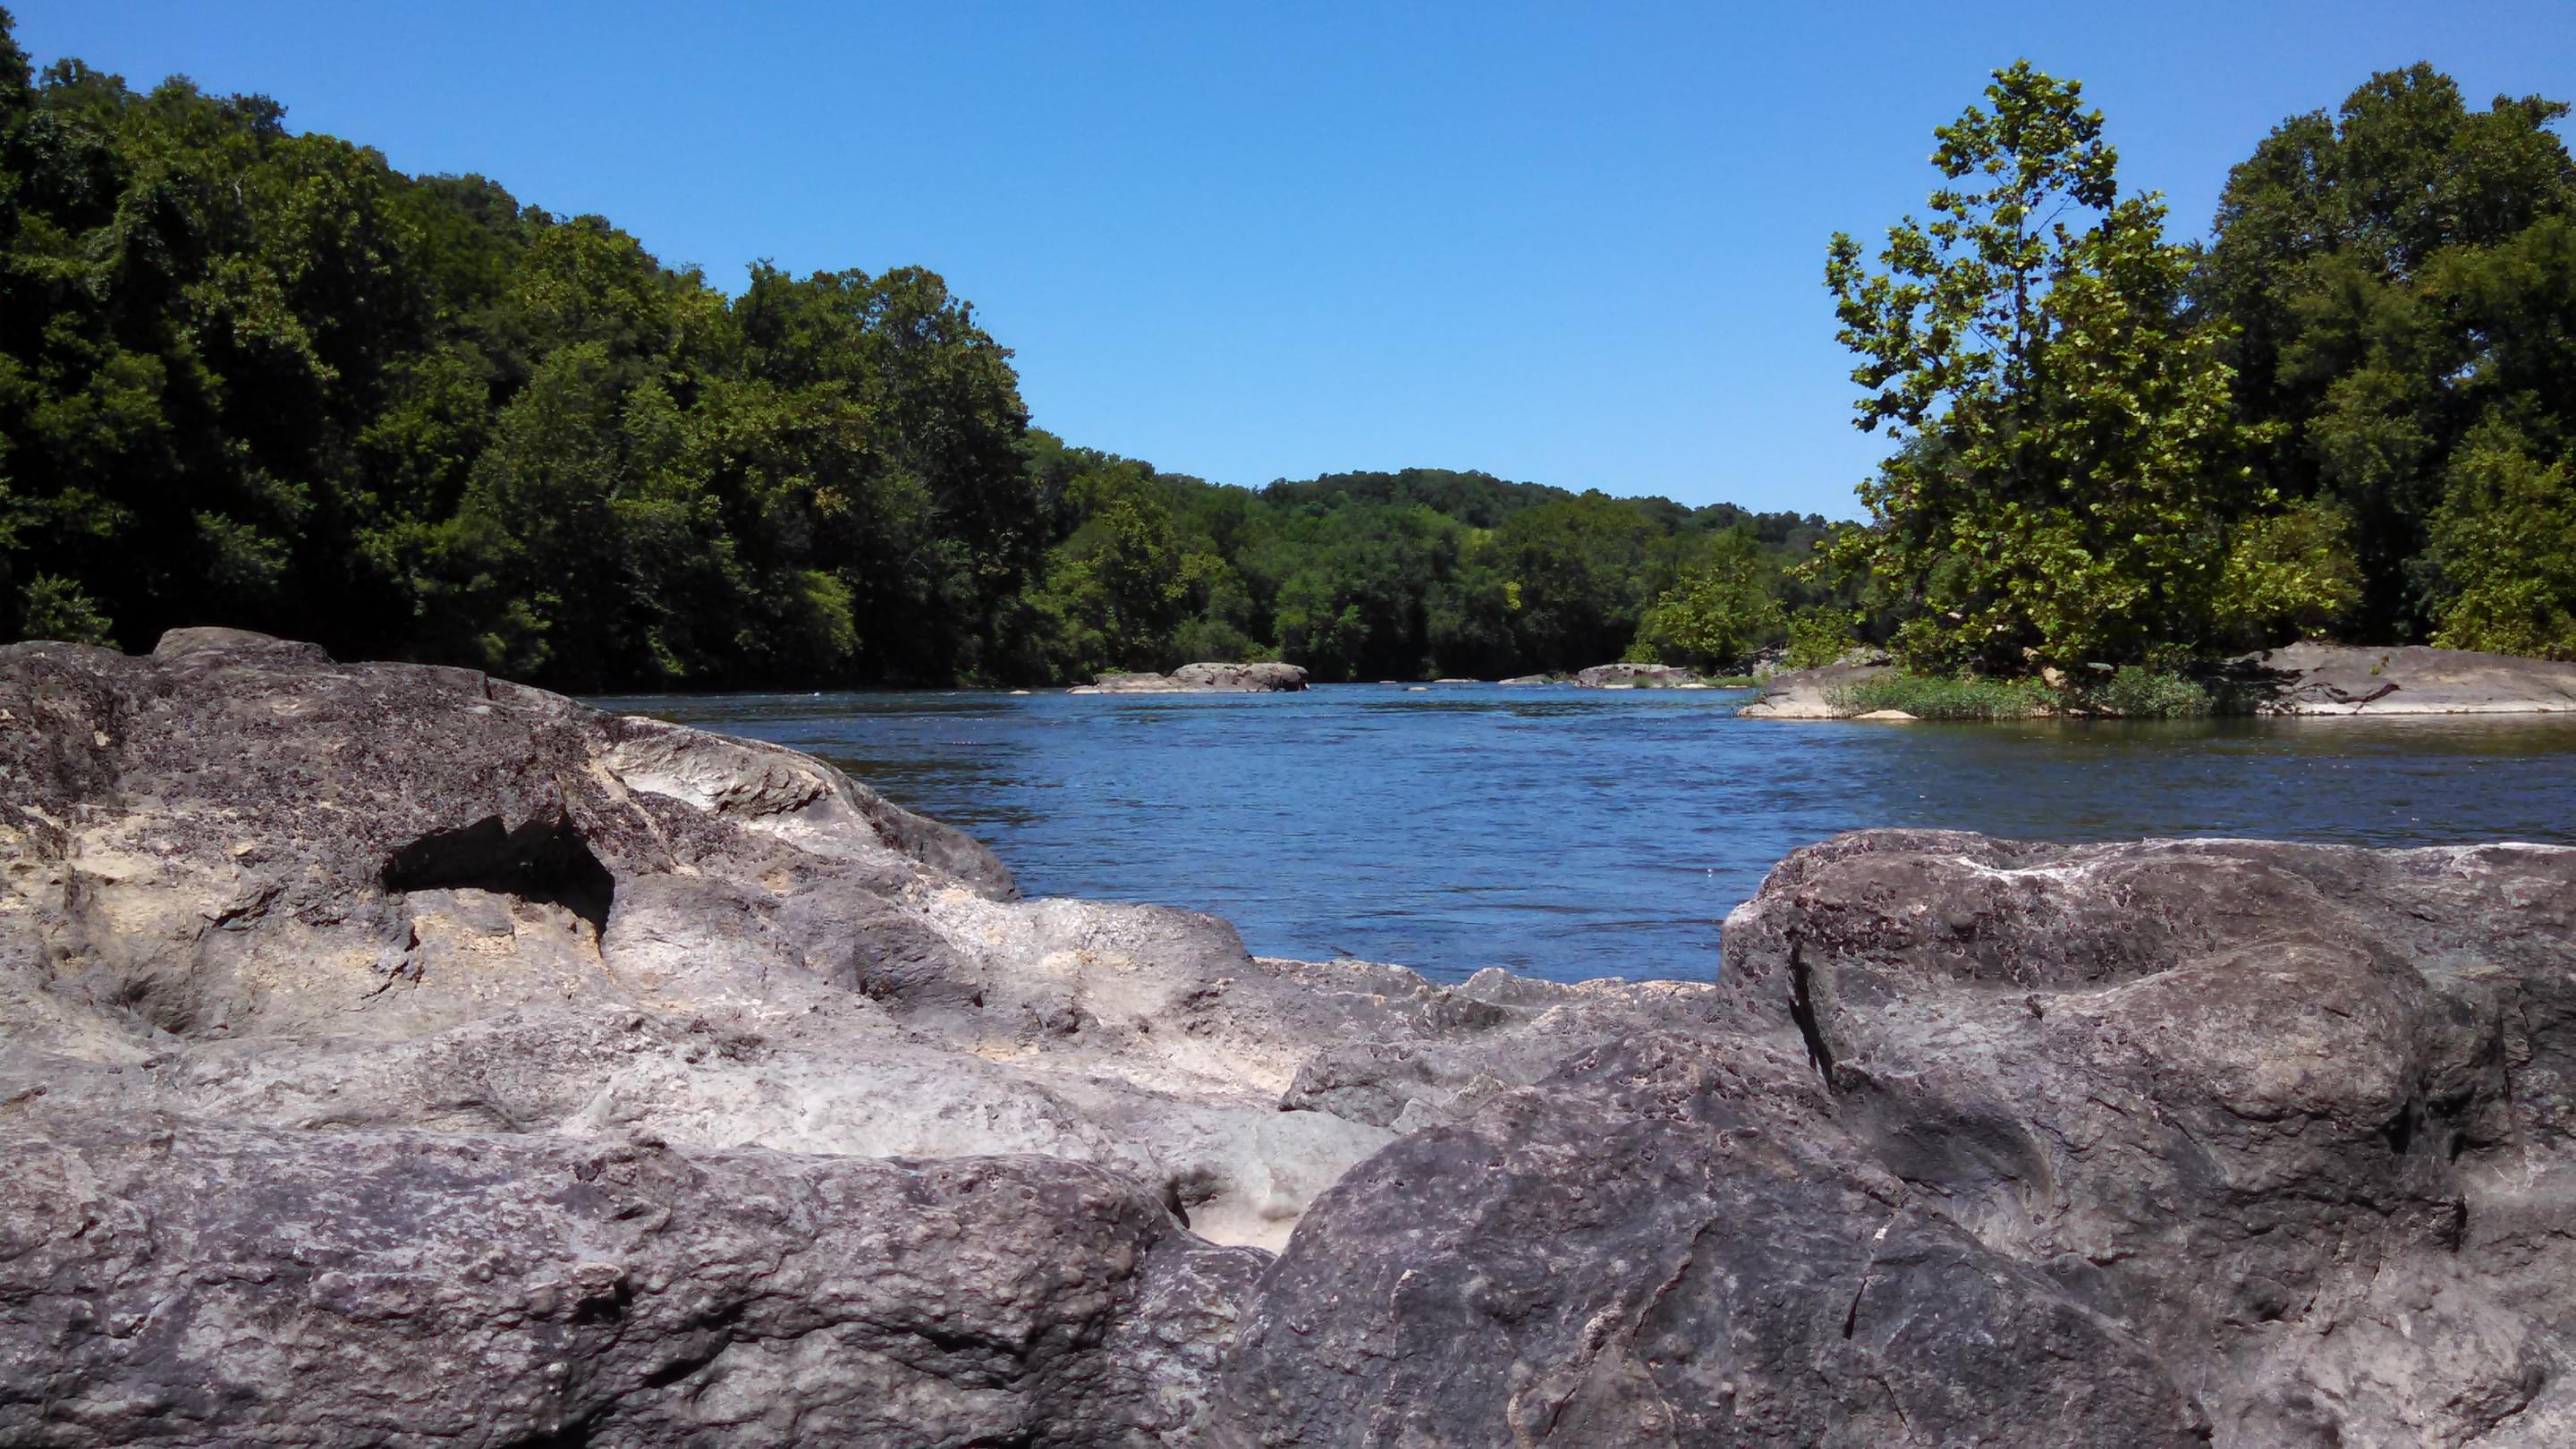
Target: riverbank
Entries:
(531, 1073)
(2301, 679)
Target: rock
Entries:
(202, 1285)
(1522, 679)
(1893, 715)
(1454, 680)
(334, 927)
(1808, 693)
(1637, 676)
(1202, 679)
(2411, 679)
(1669, 1242)
(2160, 1144)
(390, 1055)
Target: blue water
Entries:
(1574, 834)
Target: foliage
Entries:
(1945, 697)
(1718, 614)
(2065, 485)
(2131, 692)
(55, 608)
(2289, 575)
(2504, 543)
(1819, 635)
(2395, 275)
(264, 379)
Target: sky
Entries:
(1574, 243)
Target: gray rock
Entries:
(1637, 676)
(1536, 679)
(178, 1284)
(344, 927)
(2172, 1143)
(1203, 679)
(1808, 693)
(390, 1055)
(2412, 679)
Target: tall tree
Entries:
(2068, 465)
(2335, 256)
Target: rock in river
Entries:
(2410, 679)
(391, 1055)
(1202, 679)
(1638, 676)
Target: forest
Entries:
(258, 377)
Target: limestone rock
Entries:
(2413, 679)
(173, 1283)
(1808, 693)
(1269, 678)
(1637, 676)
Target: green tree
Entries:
(2069, 478)
(2504, 546)
(2353, 256)
(1725, 608)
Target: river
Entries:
(1575, 833)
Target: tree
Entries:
(2504, 548)
(2066, 483)
(2339, 255)
(1723, 609)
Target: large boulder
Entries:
(2174, 1143)
(2312, 678)
(164, 1282)
(288, 947)
(396, 1056)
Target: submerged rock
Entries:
(395, 1056)
(1202, 679)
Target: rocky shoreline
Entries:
(390, 1055)
(2299, 679)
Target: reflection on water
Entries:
(1575, 835)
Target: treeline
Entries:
(260, 378)
(1387, 575)
(2352, 413)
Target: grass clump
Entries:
(2126, 693)
(1928, 696)
(2135, 693)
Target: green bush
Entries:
(1927, 696)
(51, 607)
(2129, 693)
(2134, 693)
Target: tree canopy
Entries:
(260, 378)
(2349, 414)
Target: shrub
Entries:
(1927, 696)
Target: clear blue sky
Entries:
(1578, 243)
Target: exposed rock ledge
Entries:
(2301, 679)
(393, 1056)
(1638, 676)
(1202, 679)
(2341, 679)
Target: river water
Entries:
(1572, 834)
